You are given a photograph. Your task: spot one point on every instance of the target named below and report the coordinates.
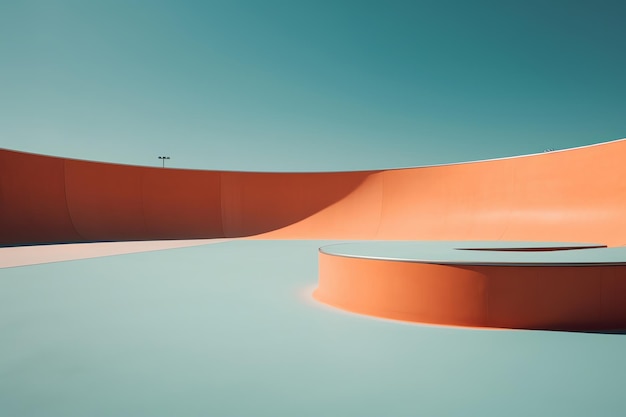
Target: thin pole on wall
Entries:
(164, 158)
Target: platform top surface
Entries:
(483, 252)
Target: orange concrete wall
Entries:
(567, 196)
(33, 207)
(528, 297)
(118, 202)
(575, 195)
(254, 203)
(46, 199)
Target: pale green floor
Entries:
(229, 330)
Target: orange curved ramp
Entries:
(578, 195)
(573, 195)
(254, 203)
(56, 200)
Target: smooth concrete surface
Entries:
(41, 254)
(231, 330)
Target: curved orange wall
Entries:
(574, 195)
(508, 296)
(117, 202)
(33, 207)
(46, 199)
(254, 203)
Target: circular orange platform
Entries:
(480, 284)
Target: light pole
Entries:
(164, 158)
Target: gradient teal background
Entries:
(309, 85)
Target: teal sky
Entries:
(309, 85)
